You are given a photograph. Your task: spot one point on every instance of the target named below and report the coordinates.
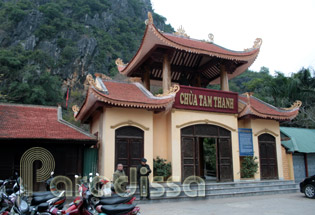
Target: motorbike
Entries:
(87, 204)
(12, 202)
(46, 202)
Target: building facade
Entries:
(200, 131)
(40, 132)
(299, 143)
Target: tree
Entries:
(25, 83)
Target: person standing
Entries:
(143, 172)
(117, 174)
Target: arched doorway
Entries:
(129, 147)
(206, 151)
(268, 156)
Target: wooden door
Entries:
(268, 157)
(190, 157)
(129, 147)
(225, 164)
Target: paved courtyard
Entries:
(287, 204)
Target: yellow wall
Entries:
(183, 118)
(260, 126)
(119, 117)
(287, 162)
(160, 135)
(95, 124)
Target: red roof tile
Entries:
(131, 92)
(153, 38)
(202, 45)
(250, 105)
(132, 95)
(37, 122)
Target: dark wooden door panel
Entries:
(268, 157)
(192, 151)
(225, 159)
(188, 157)
(129, 147)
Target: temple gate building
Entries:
(200, 131)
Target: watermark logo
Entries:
(192, 186)
(26, 166)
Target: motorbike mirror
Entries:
(97, 174)
(90, 174)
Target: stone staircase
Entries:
(218, 190)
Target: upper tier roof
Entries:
(188, 57)
(38, 122)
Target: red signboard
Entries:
(202, 99)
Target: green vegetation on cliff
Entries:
(63, 40)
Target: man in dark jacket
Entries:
(143, 171)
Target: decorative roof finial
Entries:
(257, 44)
(119, 62)
(211, 37)
(75, 109)
(92, 82)
(172, 91)
(150, 19)
(181, 32)
(295, 105)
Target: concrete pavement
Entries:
(281, 204)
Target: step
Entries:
(215, 196)
(227, 189)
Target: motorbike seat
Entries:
(42, 207)
(40, 199)
(115, 200)
(43, 193)
(117, 209)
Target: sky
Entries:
(287, 28)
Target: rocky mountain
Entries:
(59, 42)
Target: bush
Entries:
(161, 167)
(249, 167)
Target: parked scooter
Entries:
(87, 204)
(13, 203)
(46, 202)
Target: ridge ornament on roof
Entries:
(150, 19)
(75, 109)
(295, 105)
(172, 91)
(97, 84)
(257, 44)
(211, 38)
(119, 62)
(181, 32)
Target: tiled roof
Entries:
(154, 38)
(301, 139)
(37, 122)
(132, 95)
(250, 105)
(202, 45)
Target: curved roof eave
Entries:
(157, 38)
